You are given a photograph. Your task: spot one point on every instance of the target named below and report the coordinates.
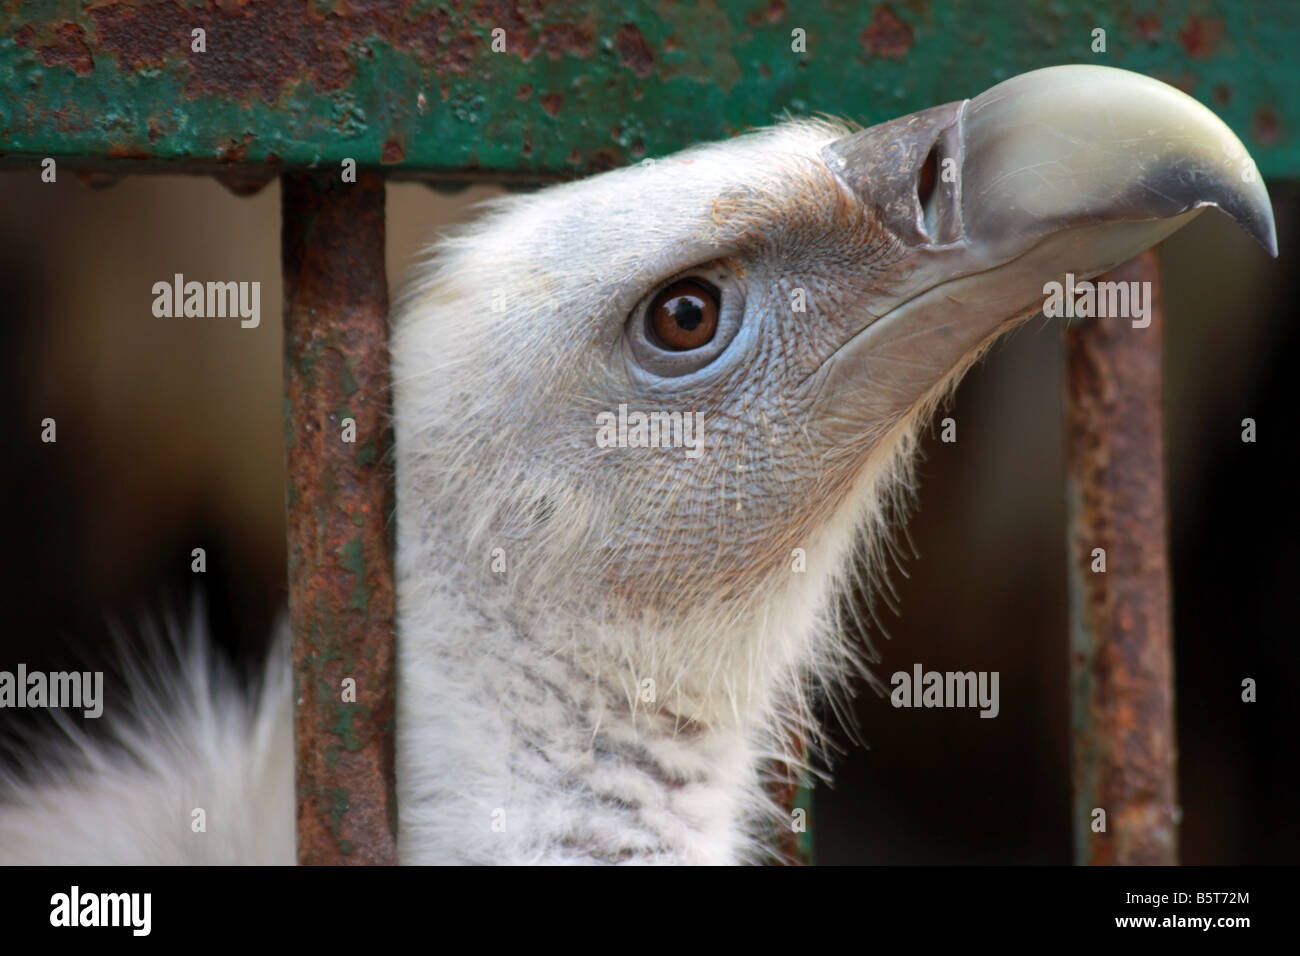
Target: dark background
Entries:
(170, 438)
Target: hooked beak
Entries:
(1069, 169)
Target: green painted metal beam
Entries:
(415, 88)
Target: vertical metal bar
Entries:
(339, 502)
(790, 790)
(1121, 666)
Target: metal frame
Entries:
(1121, 654)
(339, 503)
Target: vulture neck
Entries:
(524, 734)
(515, 747)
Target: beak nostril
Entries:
(926, 181)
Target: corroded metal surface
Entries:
(485, 89)
(791, 790)
(339, 501)
(1121, 665)
(784, 793)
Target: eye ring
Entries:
(684, 316)
(664, 355)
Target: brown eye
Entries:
(684, 316)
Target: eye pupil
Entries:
(684, 316)
(689, 312)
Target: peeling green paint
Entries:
(415, 89)
(310, 356)
(339, 805)
(346, 376)
(345, 715)
(353, 557)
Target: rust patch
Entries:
(1147, 28)
(1222, 94)
(1200, 36)
(261, 49)
(573, 39)
(236, 151)
(772, 13)
(505, 14)
(551, 102)
(604, 159)
(123, 151)
(887, 35)
(144, 41)
(68, 49)
(71, 120)
(392, 153)
(455, 55)
(257, 49)
(1266, 125)
(633, 52)
(524, 93)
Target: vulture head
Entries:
(645, 421)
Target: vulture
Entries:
(649, 426)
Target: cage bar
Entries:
(339, 503)
(1121, 659)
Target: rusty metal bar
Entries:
(339, 501)
(1121, 666)
(446, 90)
(790, 790)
